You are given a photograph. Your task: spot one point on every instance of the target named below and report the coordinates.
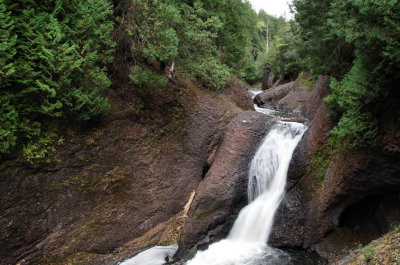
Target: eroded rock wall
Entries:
(223, 192)
(327, 178)
(115, 182)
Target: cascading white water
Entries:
(267, 180)
(153, 256)
(246, 243)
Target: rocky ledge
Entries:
(119, 187)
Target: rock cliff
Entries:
(117, 187)
(336, 196)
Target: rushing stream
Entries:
(246, 242)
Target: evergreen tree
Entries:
(8, 113)
(167, 31)
(373, 28)
(56, 69)
(356, 42)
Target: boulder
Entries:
(271, 97)
(222, 193)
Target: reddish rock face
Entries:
(222, 193)
(116, 181)
(313, 208)
(289, 228)
(295, 95)
(316, 97)
(350, 177)
(271, 97)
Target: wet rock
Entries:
(289, 228)
(222, 193)
(271, 97)
(314, 210)
(289, 224)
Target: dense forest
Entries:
(113, 113)
(57, 57)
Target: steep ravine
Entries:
(120, 186)
(114, 189)
(337, 197)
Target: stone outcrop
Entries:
(331, 188)
(115, 182)
(289, 227)
(271, 97)
(288, 96)
(267, 81)
(222, 193)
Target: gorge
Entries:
(199, 132)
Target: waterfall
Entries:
(267, 180)
(246, 243)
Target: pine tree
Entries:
(8, 113)
(56, 69)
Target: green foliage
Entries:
(235, 33)
(358, 43)
(211, 73)
(322, 51)
(280, 57)
(8, 125)
(369, 252)
(40, 150)
(323, 158)
(52, 58)
(136, 105)
(199, 57)
(354, 99)
(208, 40)
(145, 77)
(7, 44)
(151, 26)
(166, 32)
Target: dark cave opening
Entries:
(371, 217)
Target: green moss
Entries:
(90, 141)
(322, 159)
(369, 252)
(307, 80)
(94, 179)
(114, 178)
(171, 129)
